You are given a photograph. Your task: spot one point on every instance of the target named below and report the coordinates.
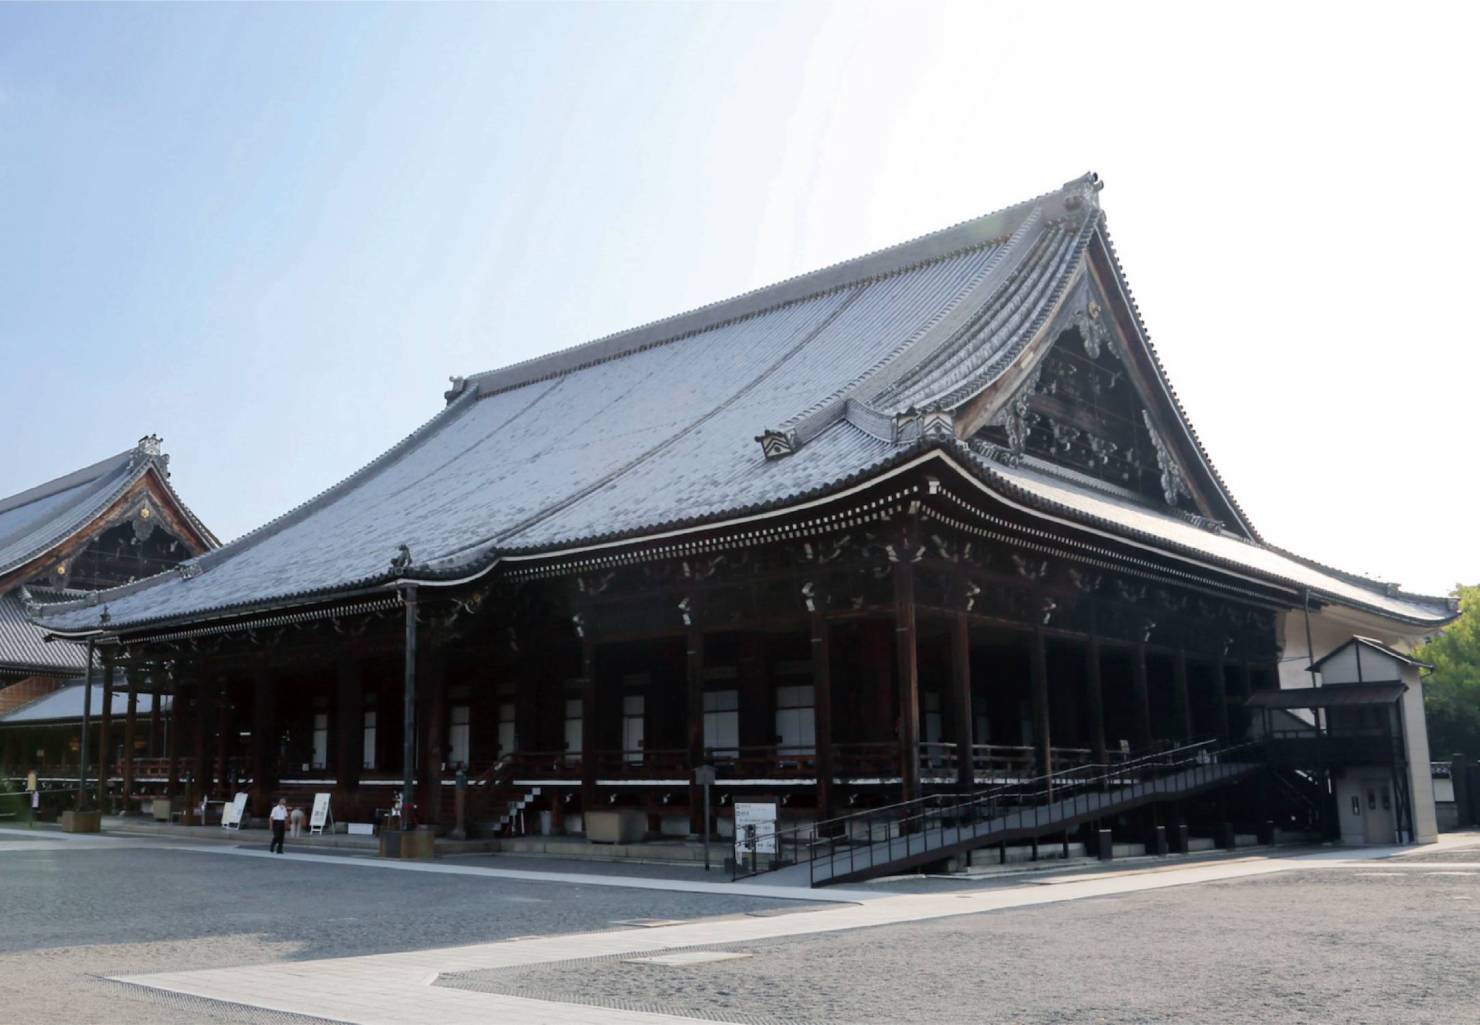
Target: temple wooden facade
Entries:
(930, 521)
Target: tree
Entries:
(1452, 689)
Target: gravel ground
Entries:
(1353, 946)
(68, 918)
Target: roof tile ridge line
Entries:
(486, 389)
(1038, 200)
(1068, 269)
(594, 486)
(272, 526)
(1032, 283)
(1130, 301)
(1355, 579)
(811, 421)
(56, 485)
(996, 476)
(52, 536)
(211, 539)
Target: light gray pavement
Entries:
(355, 940)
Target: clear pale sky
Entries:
(270, 233)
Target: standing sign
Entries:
(755, 828)
(232, 814)
(320, 814)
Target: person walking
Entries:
(279, 820)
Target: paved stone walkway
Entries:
(397, 989)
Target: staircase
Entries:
(884, 841)
(494, 802)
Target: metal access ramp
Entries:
(883, 841)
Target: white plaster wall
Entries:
(1420, 773)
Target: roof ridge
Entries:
(937, 245)
(255, 536)
(66, 481)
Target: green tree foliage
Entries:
(1452, 690)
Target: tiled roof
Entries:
(65, 705)
(658, 426)
(23, 647)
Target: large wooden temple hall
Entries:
(931, 521)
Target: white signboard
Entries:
(320, 813)
(231, 814)
(755, 828)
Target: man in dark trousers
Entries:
(279, 820)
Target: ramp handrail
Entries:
(909, 823)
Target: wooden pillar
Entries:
(1095, 700)
(757, 721)
(130, 723)
(105, 732)
(1038, 671)
(823, 712)
(1181, 696)
(1220, 692)
(908, 679)
(960, 683)
(156, 716)
(349, 723)
(434, 682)
(200, 710)
(1141, 697)
(264, 742)
(694, 701)
(223, 735)
(408, 706)
(179, 716)
(588, 725)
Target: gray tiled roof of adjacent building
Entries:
(24, 648)
(656, 427)
(65, 705)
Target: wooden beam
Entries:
(130, 723)
(1094, 694)
(1220, 693)
(961, 719)
(694, 693)
(822, 711)
(1141, 697)
(588, 726)
(907, 679)
(1180, 694)
(105, 732)
(264, 742)
(349, 722)
(1038, 671)
(434, 682)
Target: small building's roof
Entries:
(1373, 644)
(1334, 696)
(656, 429)
(34, 521)
(65, 705)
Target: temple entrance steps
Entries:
(507, 802)
(885, 841)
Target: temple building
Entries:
(114, 522)
(928, 522)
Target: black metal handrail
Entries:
(911, 823)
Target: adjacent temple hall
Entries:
(927, 522)
(109, 523)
